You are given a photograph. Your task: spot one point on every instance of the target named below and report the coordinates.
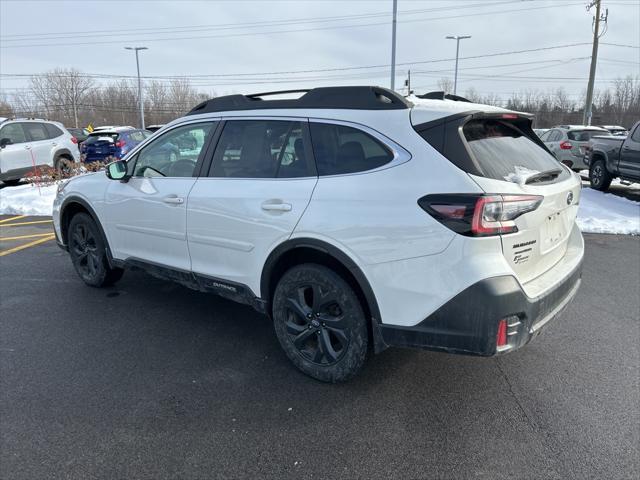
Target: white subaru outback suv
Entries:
(353, 218)
(26, 144)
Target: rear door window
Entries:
(35, 131)
(502, 150)
(339, 150)
(261, 149)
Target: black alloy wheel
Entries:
(316, 324)
(320, 322)
(88, 252)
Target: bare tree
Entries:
(445, 85)
(62, 90)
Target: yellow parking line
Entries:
(26, 245)
(19, 237)
(11, 218)
(26, 223)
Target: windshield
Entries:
(502, 150)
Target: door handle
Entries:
(27, 147)
(173, 200)
(54, 143)
(276, 207)
(626, 147)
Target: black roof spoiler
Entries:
(443, 96)
(353, 98)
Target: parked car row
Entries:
(29, 144)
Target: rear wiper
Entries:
(543, 176)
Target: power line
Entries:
(335, 69)
(243, 34)
(225, 26)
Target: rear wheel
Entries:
(88, 251)
(63, 166)
(320, 323)
(599, 177)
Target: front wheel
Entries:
(599, 177)
(88, 251)
(320, 323)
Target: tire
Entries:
(599, 177)
(88, 251)
(11, 183)
(320, 323)
(63, 165)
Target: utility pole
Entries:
(457, 38)
(586, 120)
(74, 102)
(137, 49)
(393, 45)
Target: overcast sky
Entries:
(268, 37)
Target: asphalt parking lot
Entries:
(151, 380)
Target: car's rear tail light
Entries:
(501, 338)
(566, 145)
(479, 215)
(74, 140)
(120, 143)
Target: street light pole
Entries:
(393, 45)
(457, 38)
(137, 49)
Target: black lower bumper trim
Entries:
(468, 323)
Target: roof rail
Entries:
(352, 98)
(443, 96)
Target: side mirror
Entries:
(4, 142)
(117, 170)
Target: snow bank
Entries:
(607, 213)
(27, 200)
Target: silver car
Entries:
(568, 142)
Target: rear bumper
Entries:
(468, 323)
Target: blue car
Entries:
(112, 144)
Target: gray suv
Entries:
(568, 143)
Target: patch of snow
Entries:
(27, 200)
(601, 212)
(521, 175)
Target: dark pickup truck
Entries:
(609, 157)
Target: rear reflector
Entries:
(479, 215)
(501, 339)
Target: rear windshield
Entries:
(502, 150)
(98, 136)
(584, 135)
